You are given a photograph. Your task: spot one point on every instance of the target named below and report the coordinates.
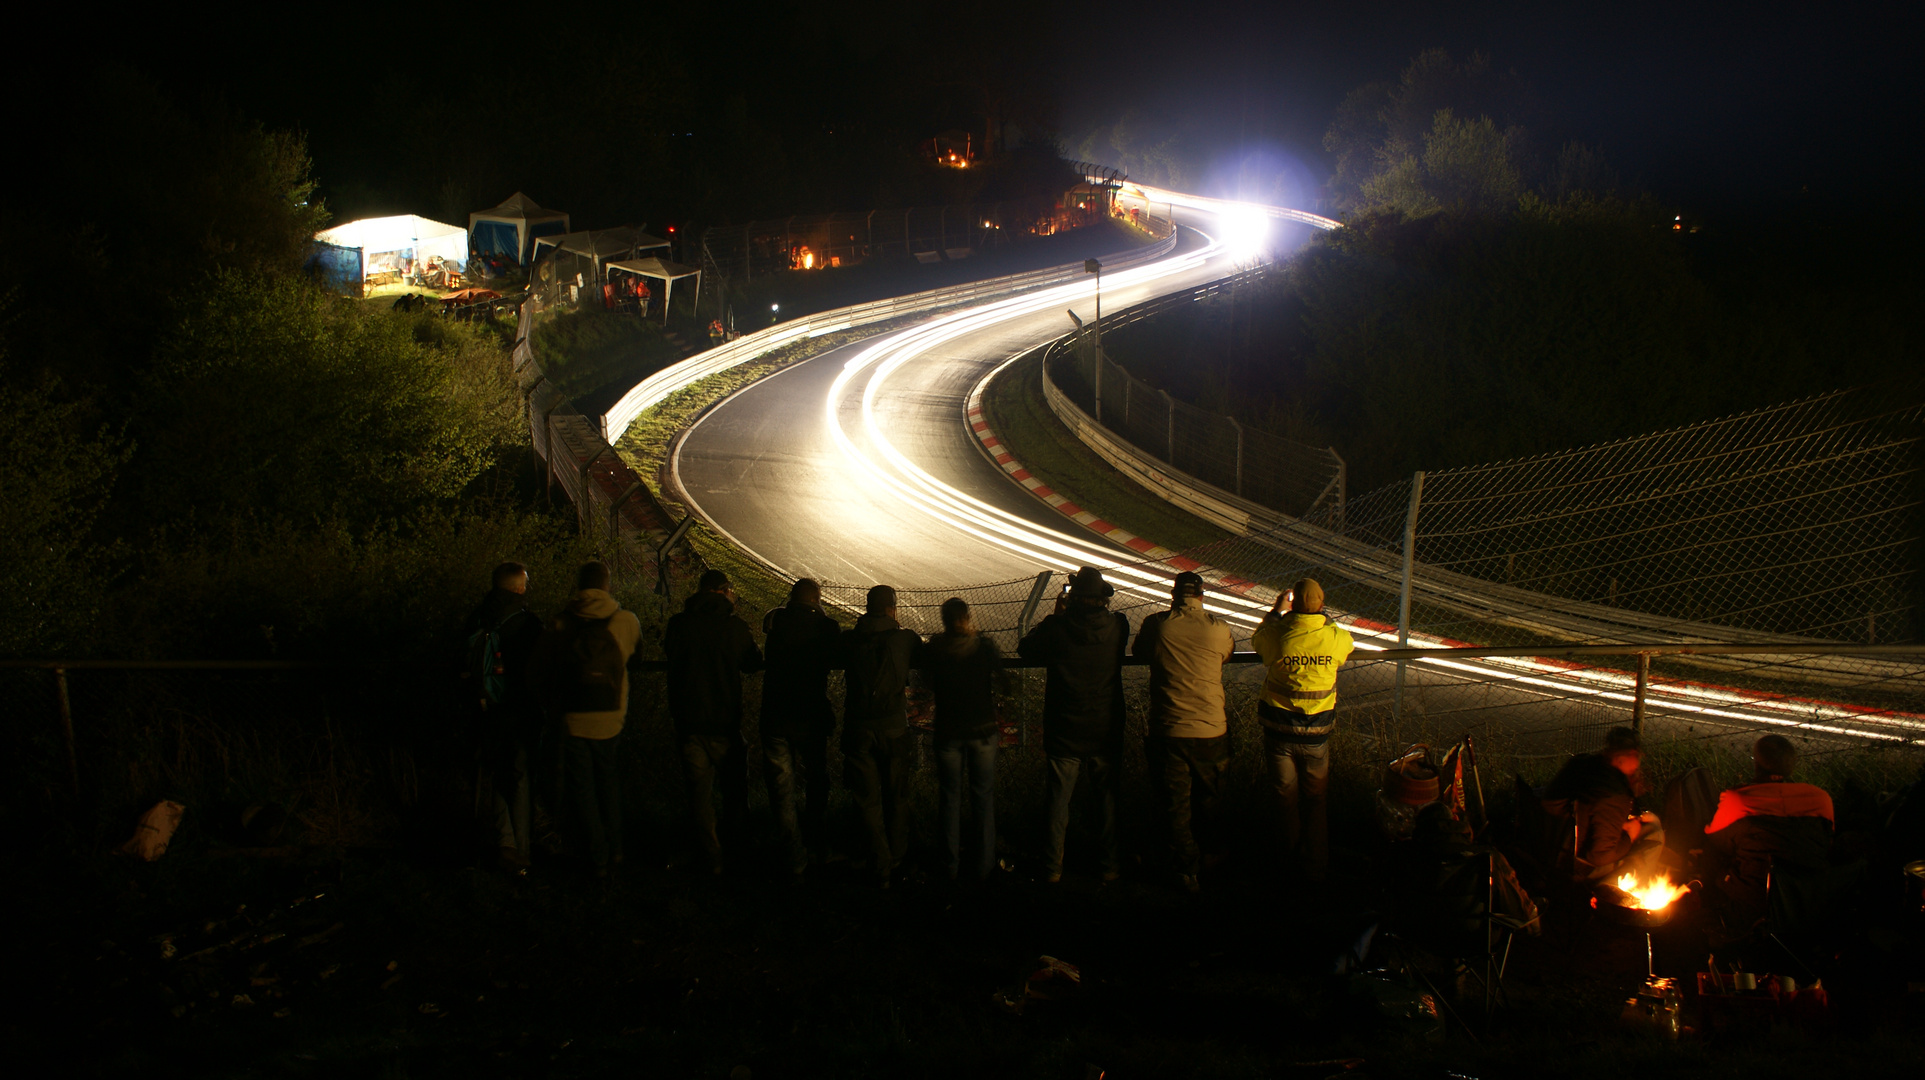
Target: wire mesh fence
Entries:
(1250, 464)
(930, 233)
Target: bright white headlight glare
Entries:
(1245, 232)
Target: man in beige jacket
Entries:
(582, 671)
(1189, 738)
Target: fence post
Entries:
(1342, 484)
(1126, 402)
(1637, 703)
(1169, 428)
(1403, 592)
(67, 730)
(1239, 431)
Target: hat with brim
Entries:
(1089, 582)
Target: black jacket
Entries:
(520, 632)
(1592, 799)
(800, 641)
(708, 650)
(962, 670)
(877, 655)
(1083, 696)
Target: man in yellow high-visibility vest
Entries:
(1302, 651)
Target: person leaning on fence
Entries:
(964, 669)
(797, 719)
(582, 670)
(877, 654)
(1082, 645)
(1598, 831)
(1189, 736)
(1301, 652)
(500, 638)
(709, 649)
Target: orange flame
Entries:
(1651, 894)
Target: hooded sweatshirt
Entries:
(962, 670)
(590, 604)
(1187, 648)
(877, 653)
(1083, 647)
(708, 650)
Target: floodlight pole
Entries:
(1091, 266)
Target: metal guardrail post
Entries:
(1169, 428)
(1239, 431)
(1403, 592)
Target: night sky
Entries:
(1706, 105)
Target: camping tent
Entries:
(583, 255)
(404, 243)
(661, 270)
(510, 229)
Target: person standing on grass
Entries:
(709, 649)
(583, 673)
(500, 638)
(1189, 738)
(1082, 643)
(963, 669)
(877, 655)
(797, 718)
(1301, 652)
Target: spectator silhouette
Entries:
(502, 636)
(963, 668)
(1189, 736)
(877, 655)
(1082, 645)
(583, 669)
(709, 649)
(797, 718)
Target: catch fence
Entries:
(1289, 477)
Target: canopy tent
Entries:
(511, 228)
(405, 243)
(668, 273)
(579, 258)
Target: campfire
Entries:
(1649, 894)
(1638, 901)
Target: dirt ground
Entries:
(221, 962)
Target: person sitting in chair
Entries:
(1772, 823)
(1600, 833)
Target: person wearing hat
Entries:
(877, 755)
(1189, 736)
(1301, 651)
(1081, 644)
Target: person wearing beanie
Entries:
(1301, 652)
(1189, 741)
(1082, 645)
(877, 755)
(1772, 822)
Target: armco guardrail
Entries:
(652, 390)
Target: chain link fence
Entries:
(1250, 464)
(928, 233)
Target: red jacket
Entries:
(1772, 798)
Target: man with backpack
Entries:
(797, 717)
(584, 677)
(1082, 644)
(709, 649)
(500, 639)
(877, 654)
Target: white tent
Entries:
(605, 245)
(404, 242)
(511, 228)
(661, 270)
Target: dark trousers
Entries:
(1102, 774)
(876, 769)
(705, 759)
(594, 783)
(785, 754)
(1300, 782)
(501, 799)
(1190, 773)
(978, 757)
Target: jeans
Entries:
(1189, 771)
(506, 814)
(876, 769)
(1306, 831)
(979, 755)
(784, 753)
(703, 758)
(1102, 774)
(595, 784)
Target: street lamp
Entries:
(1091, 266)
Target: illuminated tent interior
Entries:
(402, 245)
(668, 273)
(509, 230)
